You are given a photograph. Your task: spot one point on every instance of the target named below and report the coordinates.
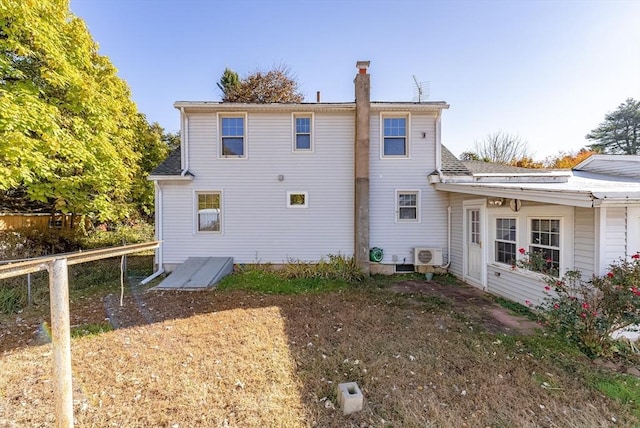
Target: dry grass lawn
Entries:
(240, 359)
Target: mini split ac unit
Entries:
(427, 256)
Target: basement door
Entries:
(473, 253)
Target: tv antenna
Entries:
(420, 90)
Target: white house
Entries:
(272, 183)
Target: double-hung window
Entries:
(232, 136)
(209, 214)
(302, 137)
(394, 136)
(505, 251)
(408, 203)
(544, 243)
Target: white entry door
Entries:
(473, 245)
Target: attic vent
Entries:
(427, 256)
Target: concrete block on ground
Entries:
(350, 397)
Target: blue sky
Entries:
(547, 71)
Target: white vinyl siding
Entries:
(615, 234)
(584, 241)
(387, 176)
(257, 225)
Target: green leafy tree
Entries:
(620, 131)
(262, 87)
(70, 135)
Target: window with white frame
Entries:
(209, 213)
(297, 199)
(302, 137)
(407, 206)
(544, 243)
(394, 136)
(505, 241)
(232, 136)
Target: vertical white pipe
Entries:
(61, 342)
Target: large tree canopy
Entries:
(70, 135)
(272, 86)
(620, 131)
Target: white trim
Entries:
(294, 192)
(196, 230)
(480, 204)
(633, 230)
(154, 177)
(245, 131)
(309, 115)
(417, 192)
(392, 115)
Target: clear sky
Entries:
(547, 71)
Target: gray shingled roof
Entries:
(481, 167)
(451, 165)
(170, 166)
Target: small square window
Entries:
(232, 136)
(297, 199)
(407, 206)
(394, 136)
(303, 138)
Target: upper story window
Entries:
(302, 137)
(232, 136)
(209, 215)
(394, 136)
(408, 203)
(505, 251)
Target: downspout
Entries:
(159, 257)
(446, 265)
(438, 146)
(184, 142)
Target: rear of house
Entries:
(274, 183)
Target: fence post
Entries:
(61, 342)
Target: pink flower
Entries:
(556, 306)
(585, 305)
(610, 275)
(559, 283)
(527, 302)
(636, 256)
(522, 251)
(548, 260)
(547, 288)
(583, 315)
(594, 313)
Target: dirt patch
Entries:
(473, 303)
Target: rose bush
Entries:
(588, 310)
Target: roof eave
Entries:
(167, 177)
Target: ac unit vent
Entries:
(427, 256)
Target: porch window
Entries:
(544, 245)
(208, 213)
(505, 243)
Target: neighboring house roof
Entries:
(171, 168)
(451, 165)
(616, 165)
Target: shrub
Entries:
(588, 312)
